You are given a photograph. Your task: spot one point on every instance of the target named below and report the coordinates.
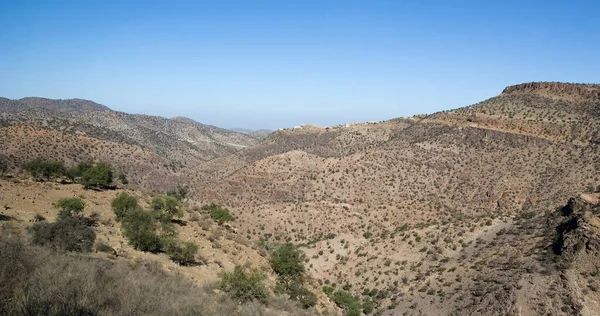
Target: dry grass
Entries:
(38, 281)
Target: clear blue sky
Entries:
(270, 64)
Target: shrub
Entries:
(70, 207)
(68, 234)
(123, 204)
(287, 261)
(157, 203)
(173, 207)
(184, 254)
(350, 304)
(139, 228)
(40, 169)
(218, 213)
(328, 290)
(99, 176)
(60, 284)
(75, 173)
(165, 209)
(367, 307)
(244, 286)
(298, 292)
(123, 178)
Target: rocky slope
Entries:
(393, 206)
(445, 214)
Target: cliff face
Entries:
(587, 91)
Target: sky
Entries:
(271, 64)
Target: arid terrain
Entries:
(490, 209)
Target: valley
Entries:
(489, 209)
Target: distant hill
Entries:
(258, 134)
(57, 106)
(181, 143)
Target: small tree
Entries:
(218, 213)
(183, 254)
(140, 229)
(157, 203)
(99, 176)
(68, 234)
(123, 204)
(350, 304)
(165, 209)
(70, 207)
(244, 286)
(75, 173)
(173, 207)
(287, 261)
(40, 169)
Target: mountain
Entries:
(58, 106)
(550, 110)
(414, 213)
(488, 209)
(258, 134)
(148, 147)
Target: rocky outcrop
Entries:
(588, 91)
(579, 232)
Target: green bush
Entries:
(350, 304)
(184, 254)
(75, 173)
(368, 307)
(99, 176)
(157, 203)
(41, 169)
(123, 204)
(244, 286)
(287, 261)
(140, 229)
(165, 209)
(218, 213)
(173, 207)
(70, 207)
(68, 234)
(298, 292)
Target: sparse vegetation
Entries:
(244, 285)
(70, 232)
(288, 262)
(59, 284)
(218, 213)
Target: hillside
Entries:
(92, 131)
(402, 198)
(556, 111)
(489, 209)
(116, 278)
